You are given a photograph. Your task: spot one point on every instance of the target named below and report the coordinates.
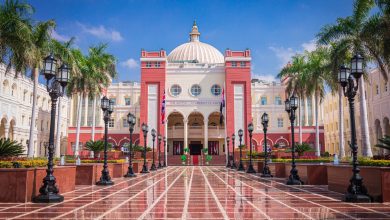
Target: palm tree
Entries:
(40, 40)
(295, 74)
(318, 75)
(96, 72)
(63, 51)
(384, 142)
(349, 36)
(15, 34)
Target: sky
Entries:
(274, 30)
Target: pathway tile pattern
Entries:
(198, 193)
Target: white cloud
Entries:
(284, 54)
(268, 78)
(54, 34)
(130, 63)
(309, 46)
(102, 32)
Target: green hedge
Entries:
(319, 160)
(24, 163)
(375, 163)
(97, 161)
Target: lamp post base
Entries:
(266, 172)
(294, 180)
(228, 165)
(49, 198)
(144, 169)
(233, 166)
(250, 169)
(357, 198)
(240, 167)
(153, 167)
(159, 165)
(130, 173)
(104, 182)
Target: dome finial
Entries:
(194, 34)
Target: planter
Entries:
(376, 180)
(310, 174)
(16, 184)
(65, 178)
(119, 169)
(278, 169)
(259, 165)
(86, 174)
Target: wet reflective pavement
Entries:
(198, 193)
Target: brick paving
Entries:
(198, 193)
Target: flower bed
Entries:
(96, 161)
(24, 163)
(317, 160)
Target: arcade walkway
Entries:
(197, 193)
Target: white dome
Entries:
(195, 51)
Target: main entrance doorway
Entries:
(196, 148)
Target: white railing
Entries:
(196, 132)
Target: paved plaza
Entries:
(198, 193)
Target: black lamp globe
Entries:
(153, 133)
(110, 107)
(357, 66)
(287, 105)
(49, 67)
(145, 128)
(240, 133)
(343, 75)
(131, 119)
(63, 75)
(294, 102)
(104, 103)
(250, 127)
(264, 118)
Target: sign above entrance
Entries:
(191, 102)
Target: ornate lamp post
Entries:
(165, 144)
(240, 166)
(107, 107)
(357, 192)
(56, 81)
(159, 138)
(153, 167)
(131, 121)
(266, 171)
(290, 106)
(228, 154)
(145, 130)
(250, 167)
(233, 166)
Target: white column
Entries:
(306, 113)
(6, 130)
(313, 112)
(185, 121)
(206, 133)
(86, 111)
(166, 143)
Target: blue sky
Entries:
(273, 29)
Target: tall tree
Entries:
(294, 73)
(40, 39)
(349, 37)
(15, 34)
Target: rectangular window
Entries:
(157, 64)
(242, 64)
(113, 100)
(213, 148)
(280, 122)
(127, 101)
(148, 64)
(125, 123)
(178, 148)
(234, 64)
(278, 100)
(263, 100)
(111, 123)
(377, 89)
(385, 86)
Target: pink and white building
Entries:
(195, 77)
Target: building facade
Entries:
(194, 78)
(378, 108)
(16, 95)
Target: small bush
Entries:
(97, 161)
(24, 163)
(10, 148)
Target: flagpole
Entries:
(225, 121)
